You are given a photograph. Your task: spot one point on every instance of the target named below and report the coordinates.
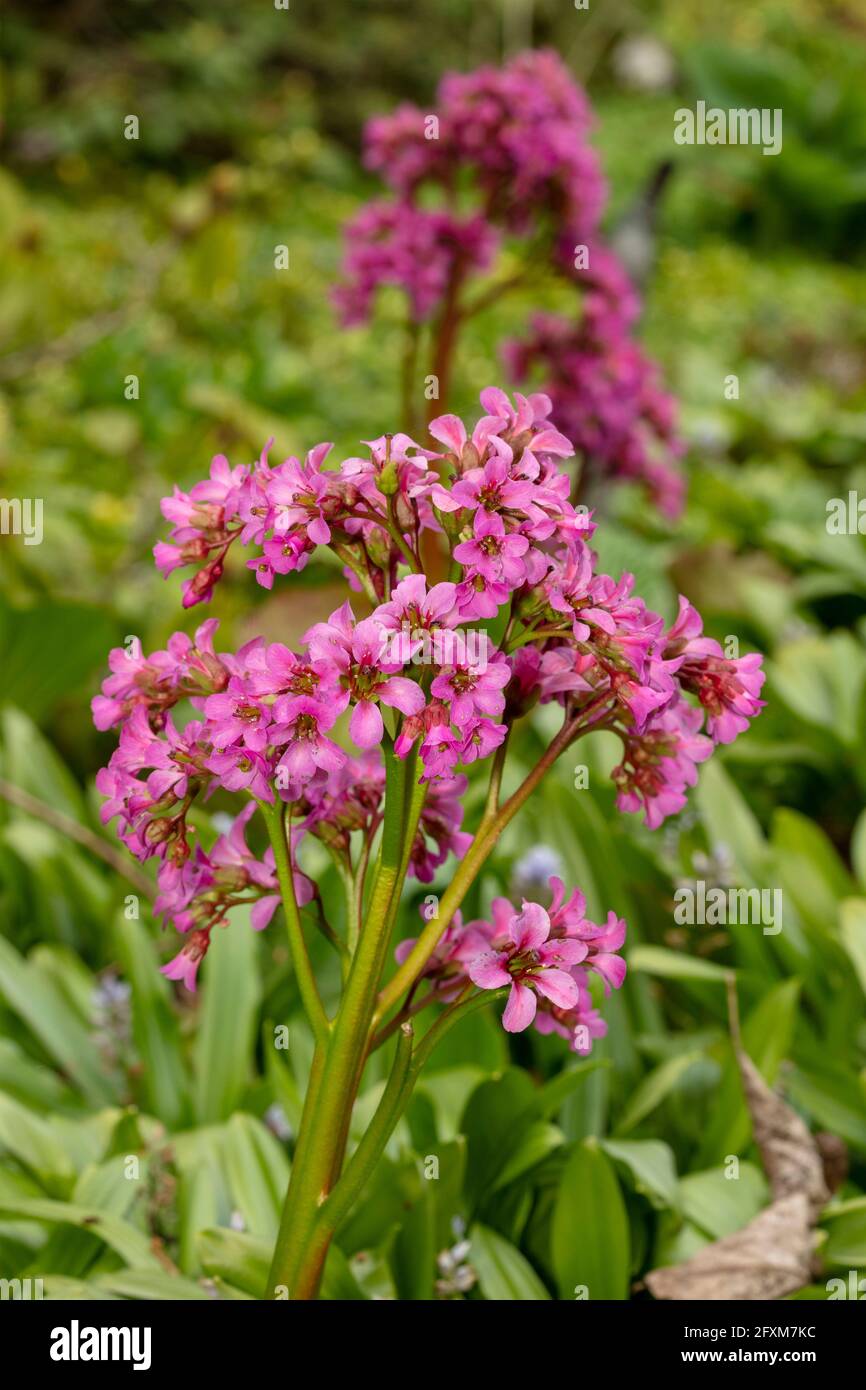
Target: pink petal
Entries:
(530, 928)
(402, 694)
(558, 987)
(263, 911)
(520, 1009)
(488, 971)
(365, 726)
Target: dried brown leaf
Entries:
(790, 1156)
(767, 1259)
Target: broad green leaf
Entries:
(338, 1282)
(504, 1275)
(40, 1004)
(832, 1098)
(130, 1244)
(551, 1097)
(258, 1174)
(242, 1260)
(652, 1166)
(858, 849)
(846, 1243)
(720, 1204)
(768, 1034)
(30, 1140)
(413, 1256)
(590, 1240)
(532, 1147)
(729, 820)
(494, 1122)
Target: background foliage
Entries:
(155, 257)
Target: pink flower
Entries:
(242, 769)
(474, 688)
(301, 721)
(235, 715)
(184, 966)
(531, 964)
(493, 553)
(727, 688)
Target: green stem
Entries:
(297, 1263)
(361, 1165)
(309, 992)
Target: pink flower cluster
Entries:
(517, 137)
(413, 248)
(543, 956)
(263, 719)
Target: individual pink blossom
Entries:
(301, 725)
(184, 966)
(531, 964)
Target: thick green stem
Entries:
(297, 1264)
(360, 1166)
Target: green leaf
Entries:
(768, 1034)
(832, 1098)
(164, 1081)
(675, 965)
(590, 1239)
(846, 1244)
(132, 1245)
(76, 635)
(413, 1256)
(655, 1088)
(652, 1166)
(852, 926)
(32, 1143)
(240, 1259)
(551, 1097)
(338, 1282)
(718, 1204)
(258, 1173)
(147, 1286)
(40, 1004)
(225, 1041)
(494, 1122)
(858, 849)
(729, 820)
(532, 1147)
(504, 1275)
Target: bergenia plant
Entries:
(361, 739)
(502, 163)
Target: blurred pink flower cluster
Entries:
(505, 152)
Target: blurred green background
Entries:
(155, 258)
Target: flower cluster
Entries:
(544, 957)
(419, 670)
(605, 391)
(511, 145)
